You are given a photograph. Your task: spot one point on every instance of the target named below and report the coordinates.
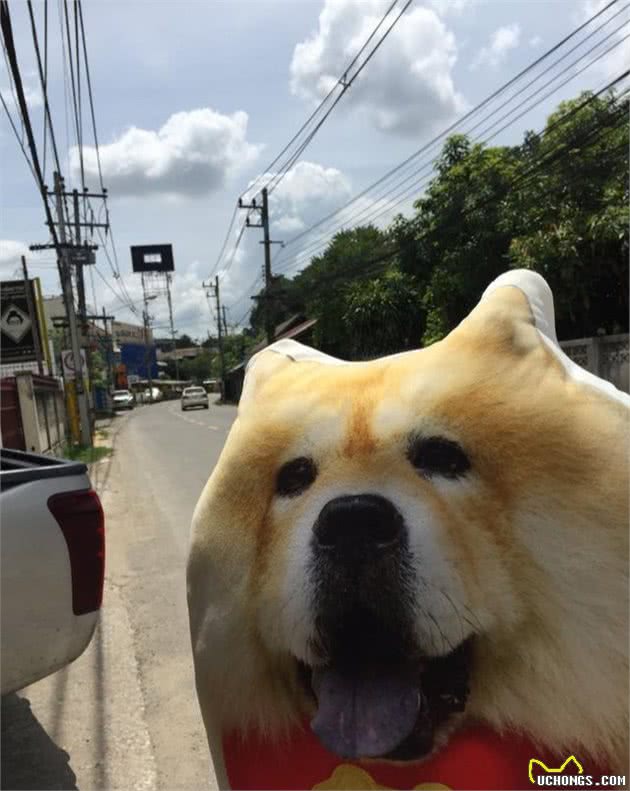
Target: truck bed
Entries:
(18, 467)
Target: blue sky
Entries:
(193, 99)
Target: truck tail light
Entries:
(80, 517)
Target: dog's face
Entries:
(410, 533)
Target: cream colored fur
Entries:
(531, 550)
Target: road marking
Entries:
(193, 422)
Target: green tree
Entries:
(570, 220)
(324, 282)
(184, 342)
(461, 243)
(383, 315)
(286, 299)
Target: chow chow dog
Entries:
(389, 549)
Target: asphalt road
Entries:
(125, 715)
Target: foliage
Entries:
(556, 203)
(285, 300)
(98, 369)
(383, 315)
(571, 220)
(324, 283)
(88, 455)
(184, 342)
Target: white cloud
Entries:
(193, 153)
(444, 7)
(406, 88)
(11, 252)
(308, 192)
(535, 41)
(32, 93)
(501, 42)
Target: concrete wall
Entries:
(605, 356)
(43, 413)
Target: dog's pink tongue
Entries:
(364, 717)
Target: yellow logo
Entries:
(534, 761)
(351, 778)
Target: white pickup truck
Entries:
(52, 565)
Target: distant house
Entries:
(298, 328)
(187, 353)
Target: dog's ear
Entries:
(515, 316)
(266, 364)
(514, 312)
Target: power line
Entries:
(64, 68)
(522, 179)
(43, 80)
(347, 84)
(225, 241)
(560, 121)
(77, 114)
(234, 249)
(373, 212)
(9, 46)
(315, 112)
(90, 96)
(126, 304)
(19, 139)
(12, 88)
(436, 139)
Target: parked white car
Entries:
(52, 565)
(194, 396)
(123, 399)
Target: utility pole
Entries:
(263, 210)
(109, 343)
(170, 313)
(225, 327)
(146, 320)
(78, 263)
(33, 317)
(214, 287)
(66, 287)
(267, 245)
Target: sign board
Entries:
(139, 360)
(67, 361)
(82, 255)
(18, 331)
(152, 258)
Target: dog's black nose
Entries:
(358, 522)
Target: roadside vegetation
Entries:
(556, 203)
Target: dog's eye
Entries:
(295, 476)
(438, 456)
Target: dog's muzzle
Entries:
(377, 694)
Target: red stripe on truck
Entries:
(80, 517)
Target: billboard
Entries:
(19, 331)
(152, 258)
(139, 360)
